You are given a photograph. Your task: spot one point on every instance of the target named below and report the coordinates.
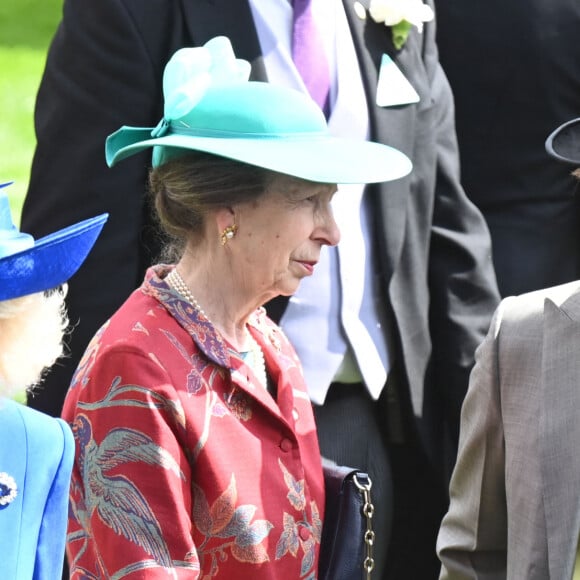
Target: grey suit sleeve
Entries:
(472, 541)
(462, 281)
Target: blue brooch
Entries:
(8, 489)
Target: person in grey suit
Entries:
(426, 281)
(515, 491)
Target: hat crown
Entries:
(12, 241)
(246, 108)
(208, 94)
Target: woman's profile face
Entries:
(281, 234)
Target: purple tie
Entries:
(309, 55)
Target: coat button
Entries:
(286, 445)
(304, 533)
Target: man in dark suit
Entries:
(514, 68)
(430, 245)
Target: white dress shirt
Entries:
(334, 320)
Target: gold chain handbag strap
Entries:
(364, 485)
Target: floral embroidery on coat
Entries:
(292, 538)
(232, 524)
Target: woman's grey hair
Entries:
(184, 190)
(31, 338)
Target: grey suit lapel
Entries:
(393, 126)
(560, 433)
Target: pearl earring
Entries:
(228, 234)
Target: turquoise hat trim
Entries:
(217, 110)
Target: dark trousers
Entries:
(409, 499)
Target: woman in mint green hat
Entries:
(197, 453)
(36, 451)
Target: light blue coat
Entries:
(37, 451)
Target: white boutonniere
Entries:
(401, 16)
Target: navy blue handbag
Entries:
(346, 547)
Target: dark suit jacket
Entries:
(104, 70)
(515, 71)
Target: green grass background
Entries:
(26, 28)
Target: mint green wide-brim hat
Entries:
(211, 106)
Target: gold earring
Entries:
(228, 234)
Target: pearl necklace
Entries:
(256, 359)
(175, 280)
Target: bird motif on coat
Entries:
(116, 499)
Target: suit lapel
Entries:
(393, 126)
(560, 433)
(205, 19)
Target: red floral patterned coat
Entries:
(185, 466)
